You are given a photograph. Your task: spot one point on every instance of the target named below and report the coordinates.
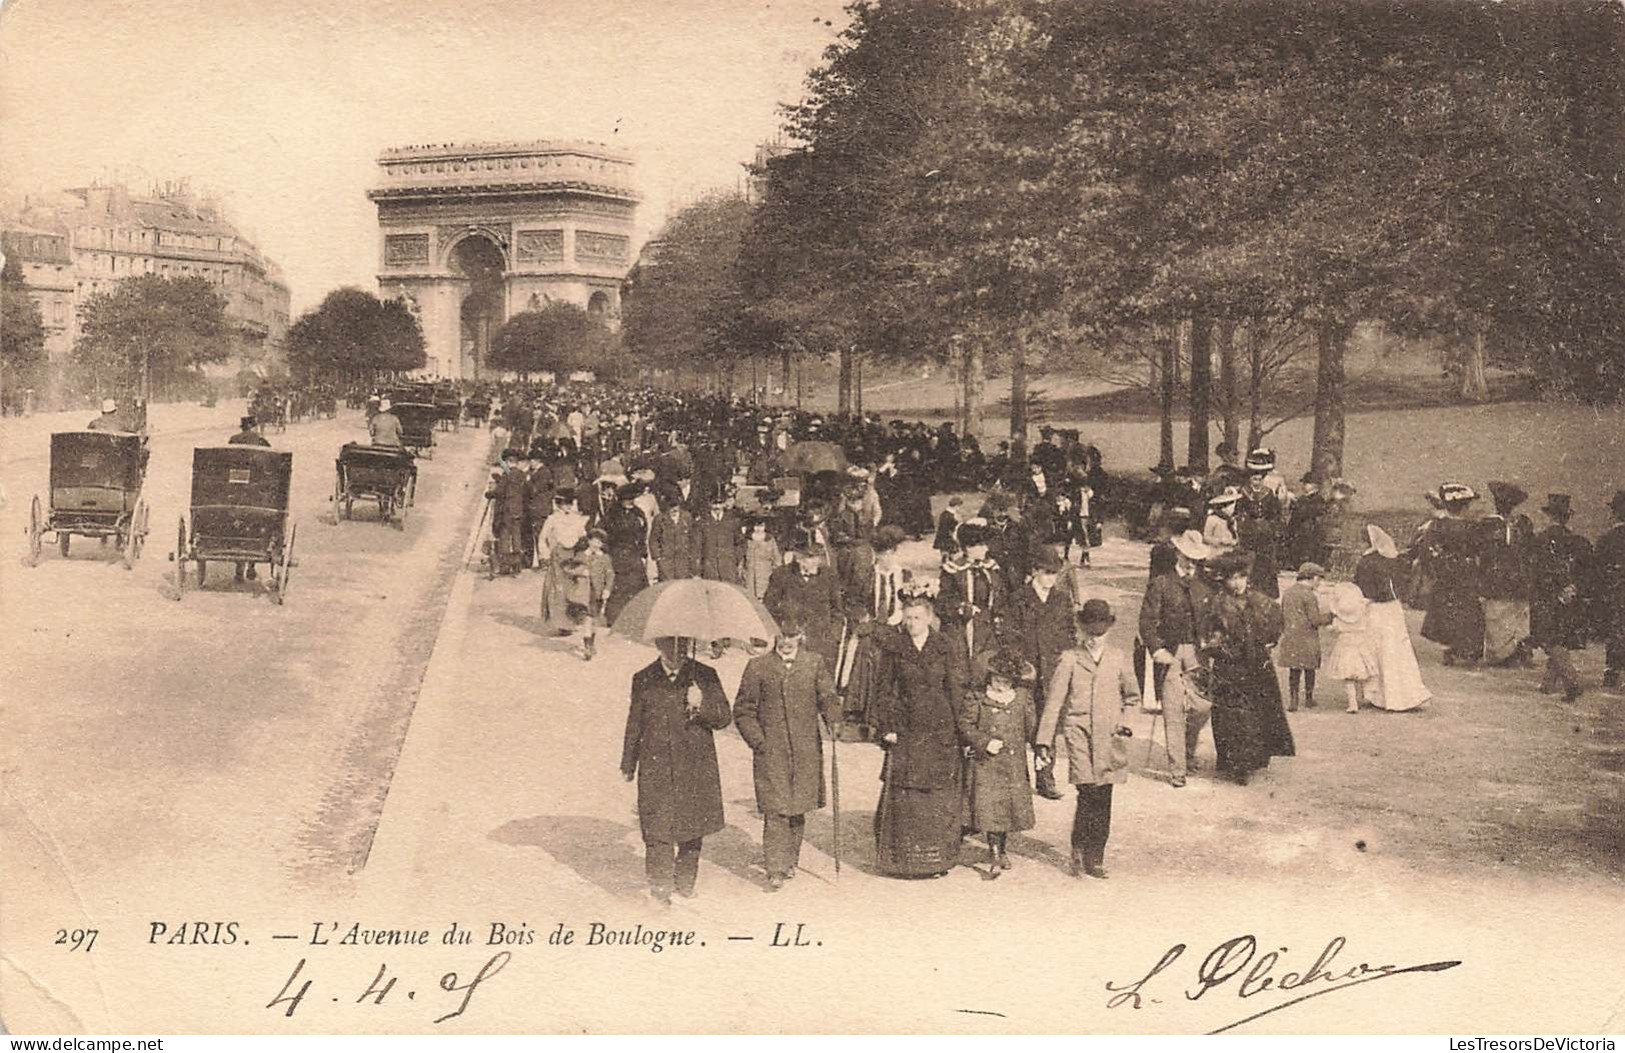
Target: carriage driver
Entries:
(109, 420)
(249, 435)
(385, 427)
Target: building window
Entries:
(59, 311)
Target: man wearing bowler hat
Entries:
(248, 435)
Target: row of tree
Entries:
(22, 339)
(1181, 180)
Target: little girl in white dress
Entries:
(1353, 659)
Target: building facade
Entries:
(471, 234)
(101, 235)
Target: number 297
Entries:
(77, 939)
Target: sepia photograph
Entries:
(812, 517)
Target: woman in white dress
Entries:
(1398, 685)
(555, 547)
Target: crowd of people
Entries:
(978, 680)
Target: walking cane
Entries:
(835, 795)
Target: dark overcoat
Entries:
(671, 542)
(674, 757)
(1557, 616)
(1455, 618)
(815, 598)
(777, 710)
(1040, 630)
(719, 546)
(920, 703)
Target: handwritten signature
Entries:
(1237, 963)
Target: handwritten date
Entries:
(382, 990)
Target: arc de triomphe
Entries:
(473, 233)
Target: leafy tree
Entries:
(560, 337)
(22, 336)
(351, 335)
(168, 326)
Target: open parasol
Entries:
(696, 608)
(813, 456)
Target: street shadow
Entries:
(1040, 852)
(533, 626)
(857, 837)
(597, 850)
(736, 852)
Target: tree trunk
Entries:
(1018, 398)
(1255, 387)
(975, 388)
(1166, 341)
(1326, 456)
(784, 369)
(1229, 405)
(1201, 391)
(1475, 386)
(857, 386)
(843, 391)
(956, 366)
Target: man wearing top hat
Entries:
(1504, 577)
(1561, 565)
(1174, 606)
(718, 542)
(1608, 592)
(248, 434)
(1048, 454)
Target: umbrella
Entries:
(813, 456)
(697, 608)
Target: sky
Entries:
(281, 106)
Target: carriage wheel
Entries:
(62, 540)
(180, 559)
(386, 508)
(135, 534)
(280, 584)
(36, 530)
(338, 494)
(401, 505)
(202, 571)
(412, 489)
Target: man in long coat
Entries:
(1608, 593)
(671, 539)
(1561, 567)
(1038, 624)
(718, 541)
(807, 591)
(676, 705)
(781, 696)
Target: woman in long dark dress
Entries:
(1455, 617)
(917, 822)
(1239, 627)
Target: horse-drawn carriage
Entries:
(384, 474)
(269, 409)
(448, 407)
(477, 409)
(417, 425)
(96, 491)
(239, 514)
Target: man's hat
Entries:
(1047, 559)
(1191, 545)
(1261, 460)
(1096, 612)
(791, 624)
(1558, 506)
(1452, 492)
(1230, 563)
(1046, 431)
(628, 491)
(1507, 495)
(248, 421)
(109, 406)
(384, 404)
(997, 501)
(1310, 569)
(600, 533)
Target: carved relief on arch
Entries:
(447, 235)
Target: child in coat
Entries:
(1353, 659)
(1301, 622)
(997, 724)
(592, 579)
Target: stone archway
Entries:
(481, 262)
(599, 306)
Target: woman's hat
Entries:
(1507, 495)
(1006, 662)
(1261, 460)
(1452, 492)
(1229, 497)
(599, 533)
(1047, 559)
(1191, 546)
(1382, 543)
(971, 533)
(1347, 601)
(1229, 564)
(1311, 569)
